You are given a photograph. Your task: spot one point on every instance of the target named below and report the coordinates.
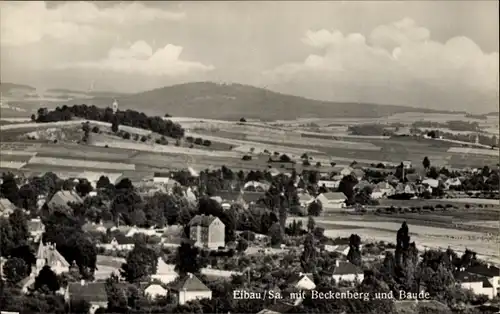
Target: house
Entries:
(135, 230)
(207, 231)
(162, 177)
(305, 199)
(92, 292)
(302, 281)
(329, 184)
(154, 291)
(36, 228)
(251, 198)
(413, 177)
(405, 189)
(257, 185)
(62, 198)
(47, 255)
(227, 198)
(165, 272)
(385, 188)
(190, 196)
(491, 272)
(190, 288)
(6, 207)
(93, 227)
(476, 283)
(332, 200)
(346, 271)
(341, 249)
(118, 244)
(361, 185)
(358, 174)
(453, 182)
(346, 171)
(407, 164)
(377, 193)
(433, 183)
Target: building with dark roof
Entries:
(332, 200)
(93, 292)
(6, 207)
(478, 284)
(302, 281)
(346, 271)
(62, 198)
(190, 288)
(207, 232)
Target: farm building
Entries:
(453, 182)
(92, 292)
(346, 271)
(491, 272)
(385, 188)
(161, 177)
(476, 283)
(329, 184)
(332, 200)
(433, 183)
(154, 291)
(165, 272)
(305, 199)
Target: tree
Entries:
(314, 208)
(117, 299)
(47, 280)
(9, 188)
(311, 224)
(243, 120)
(15, 270)
(426, 163)
(83, 187)
(347, 185)
(242, 245)
(103, 182)
(141, 263)
(275, 232)
(187, 259)
(19, 224)
(114, 124)
(354, 255)
(433, 173)
(308, 259)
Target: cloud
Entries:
(140, 58)
(398, 63)
(31, 21)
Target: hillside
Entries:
(233, 101)
(77, 93)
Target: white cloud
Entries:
(397, 63)
(140, 58)
(31, 21)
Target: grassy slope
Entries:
(210, 100)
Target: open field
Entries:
(475, 151)
(11, 164)
(473, 201)
(311, 142)
(62, 162)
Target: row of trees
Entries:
(128, 117)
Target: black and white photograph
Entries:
(266, 157)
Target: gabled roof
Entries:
(202, 220)
(90, 292)
(484, 270)
(6, 207)
(384, 185)
(254, 197)
(228, 196)
(294, 279)
(62, 198)
(304, 197)
(347, 268)
(358, 172)
(49, 253)
(334, 196)
(190, 283)
(464, 276)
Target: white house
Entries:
(207, 232)
(377, 193)
(332, 200)
(165, 272)
(386, 188)
(190, 288)
(453, 182)
(433, 183)
(154, 291)
(125, 244)
(159, 177)
(329, 184)
(346, 271)
(305, 199)
(491, 272)
(407, 164)
(346, 171)
(476, 283)
(136, 230)
(302, 281)
(341, 249)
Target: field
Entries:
(80, 163)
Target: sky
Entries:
(428, 54)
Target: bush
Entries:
(144, 138)
(318, 164)
(207, 143)
(467, 206)
(243, 120)
(190, 139)
(306, 162)
(246, 157)
(95, 129)
(198, 141)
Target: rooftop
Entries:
(202, 220)
(347, 268)
(90, 292)
(190, 283)
(334, 196)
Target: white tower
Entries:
(115, 106)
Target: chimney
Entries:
(301, 274)
(488, 265)
(82, 282)
(337, 263)
(190, 275)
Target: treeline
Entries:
(454, 125)
(130, 118)
(369, 130)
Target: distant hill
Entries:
(62, 91)
(233, 101)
